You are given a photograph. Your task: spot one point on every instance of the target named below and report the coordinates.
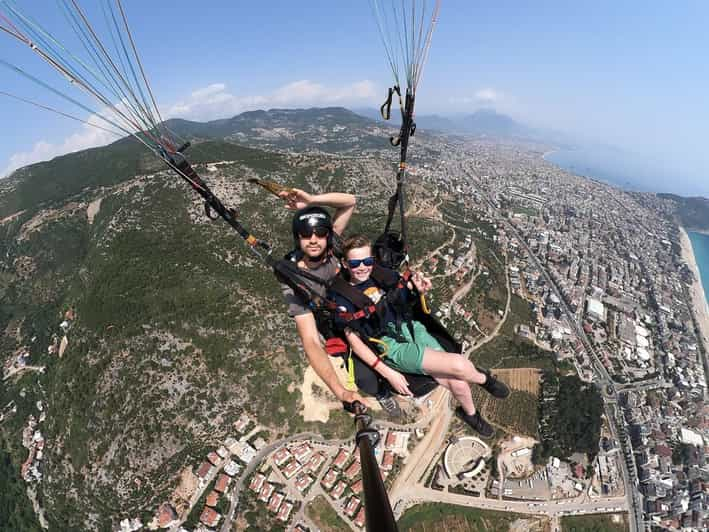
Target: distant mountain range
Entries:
(481, 123)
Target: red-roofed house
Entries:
(266, 492)
(302, 452)
(275, 503)
(256, 482)
(353, 470)
(284, 512)
(212, 499)
(315, 462)
(291, 469)
(204, 470)
(209, 517)
(340, 459)
(213, 458)
(339, 489)
(166, 515)
(357, 487)
(222, 483)
(359, 520)
(390, 440)
(329, 479)
(303, 482)
(281, 456)
(387, 461)
(351, 506)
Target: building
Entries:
(281, 456)
(212, 499)
(303, 482)
(291, 469)
(595, 309)
(339, 489)
(213, 458)
(387, 461)
(204, 470)
(232, 468)
(340, 459)
(285, 511)
(359, 520)
(210, 517)
(275, 502)
(222, 483)
(354, 469)
(351, 506)
(266, 492)
(302, 452)
(256, 482)
(329, 479)
(315, 462)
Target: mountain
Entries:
(693, 212)
(487, 122)
(136, 331)
(481, 123)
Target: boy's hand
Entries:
(423, 284)
(398, 382)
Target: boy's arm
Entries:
(366, 355)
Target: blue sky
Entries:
(630, 74)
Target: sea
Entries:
(629, 173)
(700, 247)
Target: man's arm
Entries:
(320, 360)
(344, 205)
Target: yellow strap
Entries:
(424, 305)
(350, 385)
(383, 345)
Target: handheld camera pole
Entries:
(378, 513)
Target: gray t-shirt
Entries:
(326, 270)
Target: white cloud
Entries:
(216, 101)
(88, 137)
(484, 96)
(205, 103)
(488, 95)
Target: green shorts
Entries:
(408, 356)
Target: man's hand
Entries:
(348, 396)
(398, 382)
(296, 199)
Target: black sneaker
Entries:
(476, 422)
(390, 406)
(493, 386)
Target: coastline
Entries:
(699, 301)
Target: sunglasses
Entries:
(354, 263)
(320, 232)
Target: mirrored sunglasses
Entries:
(320, 232)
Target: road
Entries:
(556, 508)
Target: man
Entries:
(313, 234)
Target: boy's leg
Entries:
(452, 366)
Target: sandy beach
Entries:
(699, 301)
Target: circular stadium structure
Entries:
(465, 457)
